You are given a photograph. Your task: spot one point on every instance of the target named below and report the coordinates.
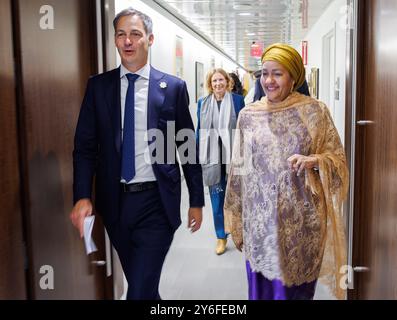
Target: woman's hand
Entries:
(298, 163)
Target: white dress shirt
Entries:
(143, 171)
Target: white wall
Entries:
(333, 19)
(163, 49)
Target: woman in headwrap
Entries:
(287, 182)
(217, 116)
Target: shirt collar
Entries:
(144, 72)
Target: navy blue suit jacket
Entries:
(97, 144)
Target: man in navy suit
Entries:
(138, 199)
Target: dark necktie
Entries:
(128, 152)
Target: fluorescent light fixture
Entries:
(241, 6)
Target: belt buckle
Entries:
(137, 187)
(126, 187)
(140, 187)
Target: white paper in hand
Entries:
(88, 227)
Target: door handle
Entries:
(99, 263)
(361, 269)
(365, 122)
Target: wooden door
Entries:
(375, 223)
(12, 273)
(57, 54)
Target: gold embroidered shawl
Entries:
(292, 227)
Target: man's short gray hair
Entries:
(147, 21)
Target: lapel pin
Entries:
(163, 85)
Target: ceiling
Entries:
(234, 26)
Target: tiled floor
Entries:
(192, 270)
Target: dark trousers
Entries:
(142, 238)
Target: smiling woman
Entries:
(217, 115)
(276, 81)
(286, 214)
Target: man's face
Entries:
(132, 42)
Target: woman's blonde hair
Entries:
(229, 81)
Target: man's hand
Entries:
(81, 209)
(195, 217)
(298, 163)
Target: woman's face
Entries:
(219, 84)
(276, 81)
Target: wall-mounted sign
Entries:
(256, 49)
(305, 45)
(179, 57)
(305, 14)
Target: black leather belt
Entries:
(138, 187)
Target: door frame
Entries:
(107, 60)
(355, 97)
(328, 73)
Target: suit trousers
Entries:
(142, 238)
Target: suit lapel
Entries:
(156, 97)
(114, 107)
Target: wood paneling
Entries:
(375, 243)
(55, 66)
(12, 275)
